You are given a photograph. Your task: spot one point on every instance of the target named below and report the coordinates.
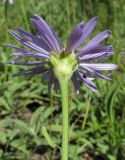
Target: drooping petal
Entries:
(74, 36)
(44, 29)
(32, 71)
(99, 67)
(95, 73)
(46, 76)
(51, 82)
(89, 27)
(87, 81)
(57, 87)
(49, 76)
(97, 39)
(75, 83)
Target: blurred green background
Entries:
(97, 121)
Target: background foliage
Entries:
(30, 119)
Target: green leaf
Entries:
(22, 126)
(19, 144)
(55, 128)
(103, 147)
(1, 153)
(35, 119)
(3, 137)
(48, 138)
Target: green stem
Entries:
(65, 125)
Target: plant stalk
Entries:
(65, 119)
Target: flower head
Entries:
(54, 61)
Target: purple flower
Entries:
(47, 44)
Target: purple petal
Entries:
(34, 39)
(28, 43)
(97, 39)
(75, 83)
(49, 76)
(90, 57)
(25, 63)
(19, 56)
(86, 32)
(32, 71)
(51, 82)
(57, 86)
(17, 48)
(46, 76)
(43, 36)
(74, 36)
(57, 38)
(97, 74)
(45, 29)
(94, 50)
(36, 55)
(26, 34)
(99, 67)
(87, 81)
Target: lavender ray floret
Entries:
(74, 36)
(90, 57)
(51, 82)
(97, 39)
(89, 27)
(99, 67)
(57, 87)
(26, 34)
(17, 48)
(46, 29)
(44, 36)
(57, 38)
(95, 49)
(75, 83)
(32, 71)
(17, 54)
(28, 43)
(25, 63)
(95, 73)
(87, 81)
(36, 55)
(47, 75)
(39, 42)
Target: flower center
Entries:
(64, 65)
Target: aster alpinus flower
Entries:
(58, 64)
(49, 52)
